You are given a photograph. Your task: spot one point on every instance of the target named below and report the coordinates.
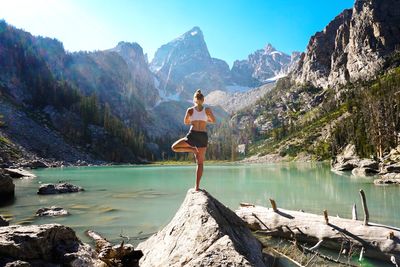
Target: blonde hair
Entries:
(198, 95)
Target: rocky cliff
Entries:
(144, 85)
(354, 46)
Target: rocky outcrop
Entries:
(60, 188)
(202, 233)
(348, 160)
(184, 64)
(51, 211)
(353, 46)
(44, 245)
(7, 187)
(19, 173)
(262, 66)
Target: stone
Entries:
(7, 187)
(364, 171)
(347, 160)
(202, 233)
(369, 164)
(60, 188)
(44, 245)
(3, 222)
(392, 168)
(51, 211)
(19, 173)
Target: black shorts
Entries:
(197, 138)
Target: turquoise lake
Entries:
(138, 200)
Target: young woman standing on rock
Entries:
(196, 139)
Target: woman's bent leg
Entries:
(200, 165)
(182, 146)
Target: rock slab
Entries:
(60, 188)
(203, 233)
(19, 173)
(44, 245)
(51, 211)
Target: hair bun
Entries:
(198, 91)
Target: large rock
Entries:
(203, 233)
(19, 173)
(42, 245)
(48, 189)
(347, 160)
(364, 171)
(7, 187)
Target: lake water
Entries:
(138, 200)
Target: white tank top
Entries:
(199, 115)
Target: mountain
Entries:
(354, 46)
(61, 106)
(262, 66)
(143, 79)
(184, 65)
(343, 90)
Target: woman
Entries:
(196, 140)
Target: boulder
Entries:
(51, 211)
(3, 222)
(60, 188)
(364, 171)
(346, 160)
(369, 163)
(44, 245)
(202, 233)
(19, 173)
(7, 187)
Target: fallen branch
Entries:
(117, 255)
(379, 241)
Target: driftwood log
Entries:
(377, 241)
(117, 255)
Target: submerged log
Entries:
(379, 241)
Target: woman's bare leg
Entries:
(200, 164)
(182, 146)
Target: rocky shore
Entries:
(203, 233)
(387, 168)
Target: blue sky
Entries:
(232, 28)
